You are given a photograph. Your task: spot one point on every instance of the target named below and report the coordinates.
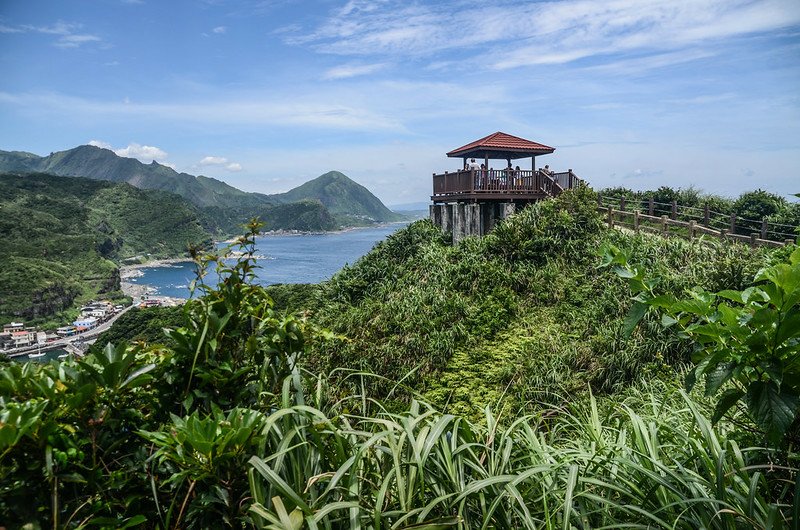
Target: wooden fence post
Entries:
(787, 242)
(763, 229)
(650, 206)
(599, 200)
(636, 220)
(622, 203)
(753, 239)
(674, 210)
(610, 217)
(706, 215)
(691, 229)
(733, 223)
(664, 227)
(722, 233)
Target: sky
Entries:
(267, 94)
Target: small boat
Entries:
(36, 355)
(63, 356)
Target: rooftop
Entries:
(501, 145)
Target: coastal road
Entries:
(60, 343)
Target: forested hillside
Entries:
(61, 236)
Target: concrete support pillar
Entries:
(435, 214)
(447, 218)
(459, 222)
(474, 220)
(508, 209)
(488, 217)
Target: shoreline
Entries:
(133, 270)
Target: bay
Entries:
(283, 258)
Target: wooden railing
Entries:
(706, 220)
(480, 181)
(667, 227)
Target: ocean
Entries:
(284, 258)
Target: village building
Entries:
(22, 338)
(14, 326)
(85, 324)
(66, 331)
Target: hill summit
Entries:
(347, 200)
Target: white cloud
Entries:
(219, 30)
(220, 161)
(68, 33)
(352, 70)
(100, 143)
(145, 153)
(520, 33)
(74, 41)
(310, 110)
(213, 161)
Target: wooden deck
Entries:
(477, 185)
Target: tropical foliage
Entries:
(746, 342)
(224, 427)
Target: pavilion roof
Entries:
(500, 145)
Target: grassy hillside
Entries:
(62, 235)
(520, 316)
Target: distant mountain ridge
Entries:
(330, 201)
(103, 164)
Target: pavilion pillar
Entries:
(486, 161)
(533, 163)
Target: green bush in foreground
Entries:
(746, 342)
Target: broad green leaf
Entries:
(727, 400)
(718, 376)
(772, 409)
(635, 315)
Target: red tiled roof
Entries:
(501, 141)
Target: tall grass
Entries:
(651, 461)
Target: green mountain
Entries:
(60, 238)
(327, 202)
(350, 202)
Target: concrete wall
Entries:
(469, 219)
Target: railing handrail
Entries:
(505, 180)
(753, 238)
(765, 227)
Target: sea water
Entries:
(283, 258)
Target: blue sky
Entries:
(268, 94)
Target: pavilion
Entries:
(471, 200)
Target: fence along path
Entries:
(673, 219)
